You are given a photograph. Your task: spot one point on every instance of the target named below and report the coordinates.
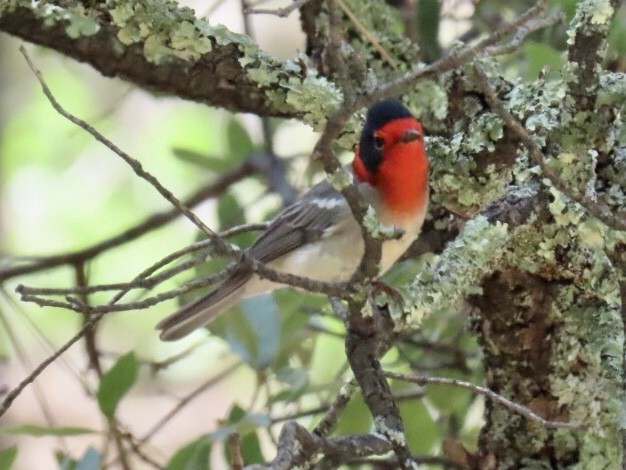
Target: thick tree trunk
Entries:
(554, 348)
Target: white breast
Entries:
(335, 256)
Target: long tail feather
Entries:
(204, 310)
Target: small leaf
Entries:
(297, 379)
(252, 330)
(90, 461)
(41, 431)
(116, 383)
(250, 445)
(428, 18)
(7, 458)
(421, 430)
(239, 142)
(356, 419)
(66, 462)
(194, 456)
(263, 316)
(208, 162)
(539, 56)
(229, 212)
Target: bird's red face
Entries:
(391, 156)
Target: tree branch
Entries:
(163, 48)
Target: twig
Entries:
(330, 419)
(340, 449)
(76, 305)
(522, 32)
(491, 395)
(24, 360)
(391, 463)
(281, 12)
(369, 36)
(156, 366)
(16, 391)
(234, 442)
(146, 457)
(144, 280)
(136, 166)
(457, 58)
(300, 414)
(90, 337)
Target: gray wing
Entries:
(304, 222)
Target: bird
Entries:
(317, 236)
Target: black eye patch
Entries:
(370, 146)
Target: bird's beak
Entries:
(410, 136)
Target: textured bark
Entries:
(515, 327)
(527, 324)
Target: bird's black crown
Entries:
(378, 115)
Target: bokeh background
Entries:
(61, 191)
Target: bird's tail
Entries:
(204, 310)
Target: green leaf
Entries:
(421, 429)
(449, 399)
(262, 314)
(540, 55)
(250, 445)
(66, 462)
(7, 458)
(240, 144)
(208, 162)
(229, 212)
(428, 17)
(90, 461)
(252, 330)
(194, 456)
(41, 431)
(356, 419)
(116, 383)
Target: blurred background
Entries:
(61, 191)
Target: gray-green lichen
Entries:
(80, 20)
(457, 272)
(591, 336)
(454, 177)
(378, 230)
(167, 29)
(428, 98)
(376, 31)
(591, 15)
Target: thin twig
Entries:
(236, 457)
(281, 12)
(368, 35)
(330, 419)
(135, 165)
(522, 32)
(462, 56)
(16, 391)
(491, 395)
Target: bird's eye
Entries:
(379, 143)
